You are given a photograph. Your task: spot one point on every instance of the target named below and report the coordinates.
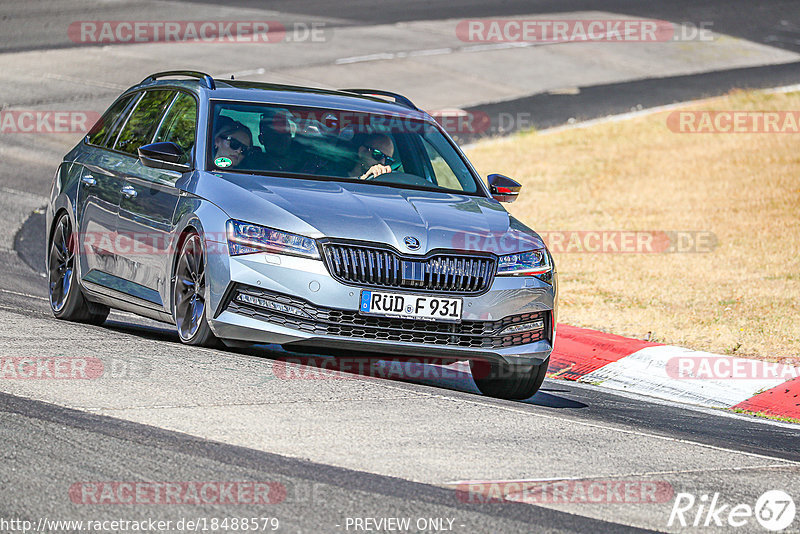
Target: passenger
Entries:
(275, 134)
(232, 143)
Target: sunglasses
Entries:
(377, 155)
(235, 144)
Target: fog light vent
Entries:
(271, 305)
(523, 327)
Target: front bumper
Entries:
(323, 314)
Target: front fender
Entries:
(62, 198)
(208, 220)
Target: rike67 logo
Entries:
(774, 510)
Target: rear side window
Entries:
(179, 125)
(97, 135)
(143, 121)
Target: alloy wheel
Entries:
(62, 264)
(190, 288)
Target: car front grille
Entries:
(307, 317)
(384, 268)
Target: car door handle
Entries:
(89, 180)
(129, 191)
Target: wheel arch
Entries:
(57, 212)
(61, 205)
(192, 226)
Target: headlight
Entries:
(246, 238)
(525, 263)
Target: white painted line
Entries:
(84, 81)
(488, 405)
(496, 46)
(654, 371)
(129, 315)
(26, 295)
(658, 109)
(431, 52)
(782, 90)
(383, 56)
(118, 313)
(717, 412)
(626, 116)
(26, 194)
(626, 475)
(360, 59)
(483, 47)
(236, 74)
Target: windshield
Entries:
(332, 144)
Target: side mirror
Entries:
(503, 188)
(165, 156)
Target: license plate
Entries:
(421, 307)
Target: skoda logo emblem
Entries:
(412, 243)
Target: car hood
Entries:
(367, 212)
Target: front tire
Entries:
(505, 381)
(189, 294)
(66, 298)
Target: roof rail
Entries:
(398, 98)
(189, 73)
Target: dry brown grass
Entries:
(742, 298)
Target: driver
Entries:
(374, 157)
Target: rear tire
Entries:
(66, 298)
(508, 381)
(189, 295)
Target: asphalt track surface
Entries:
(315, 493)
(549, 110)
(360, 447)
(770, 21)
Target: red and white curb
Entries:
(675, 373)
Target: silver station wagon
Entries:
(324, 221)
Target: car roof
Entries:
(292, 95)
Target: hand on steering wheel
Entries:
(375, 171)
